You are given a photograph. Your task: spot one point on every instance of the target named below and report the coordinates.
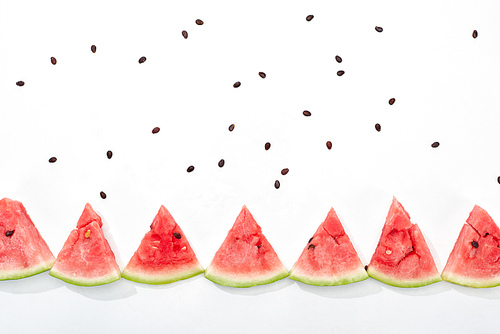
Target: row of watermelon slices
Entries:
(245, 258)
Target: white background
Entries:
(446, 88)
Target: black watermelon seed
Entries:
(340, 73)
(498, 179)
(277, 184)
(103, 195)
(53, 159)
(221, 163)
(475, 244)
(231, 127)
(20, 83)
(378, 127)
(109, 154)
(155, 130)
(93, 48)
(391, 101)
(338, 59)
(9, 233)
(268, 146)
(379, 29)
(309, 18)
(177, 235)
(199, 22)
(310, 240)
(366, 267)
(435, 144)
(53, 60)
(474, 34)
(306, 113)
(258, 246)
(329, 145)
(142, 60)
(237, 84)
(311, 247)
(190, 169)
(284, 171)
(185, 34)
(262, 75)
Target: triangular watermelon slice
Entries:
(475, 258)
(164, 255)
(329, 257)
(245, 258)
(23, 252)
(86, 258)
(402, 257)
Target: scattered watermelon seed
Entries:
(185, 34)
(306, 113)
(498, 179)
(231, 127)
(391, 101)
(277, 184)
(340, 73)
(338, 59)
(311, 247)
(20, 83)
(474, 34)
(156, 130)
(310, 240)
(329, 145)
(237, 84)
(475, 244)
(142, 60)
(9, 233)
(53, 60)
(388, 252)
(103, 195)
(190, 169)
(284, 171)
(221, 163)
(309, 18)
(109, 154)
(366, 267)
(87, 234)
(435, 144)
(262, 75)
(199, 22)
(378, 127)
(53, 159)
(268, 146)
(177, 235)
(93, 48)
(379, 29)
(486, 234)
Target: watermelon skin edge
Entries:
(163, 279)
(470, 282)
(374, 273)
(239, 282)
(18, 274)
(85, 282)
(356, 276)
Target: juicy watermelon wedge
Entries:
(475, 258)
(86, 258)
(245, 258)
(402, 257)
(23, 252)
(329, 257)
(164, 255)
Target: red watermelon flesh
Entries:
(23, 252)
(164, 255)
(86, 258)
(402, 257)
(245, 258)
(329, 257)
(475, 258)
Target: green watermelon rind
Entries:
(162, 278)
(27, 272)
(352, 277)
(81, 281)
(470, 282)
(376, 274)
(247, 282)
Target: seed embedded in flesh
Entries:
(109, 154)
(366, 267)
(20, 83)
(378, 127)
(231, 127)
(190, 169)
(311, 247)
(474, 34)
(237, 84)
(155, 130)
(103, 195)
(388, 252)
(93, 48)
(310, 240)
(221, 163)
(262, 75)
(329, 145)
(9, 233)
(338, 59)
(475, 244)
(435, 144)
(185, 34)
(379, 29)
(199, 22)
(53, 159)
(391, 101)
(306, 113)
(309, 17)
(340, 73)
(277, 184)
(87, 234)
(53, 60)
(268, 146)
(284, 171)
(177, 235)
(142, 60)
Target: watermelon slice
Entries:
(86, 258)
(402, 257)
(23, 252)
(245, 258)
(475, 258)
(329, 257)
(164, 255)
